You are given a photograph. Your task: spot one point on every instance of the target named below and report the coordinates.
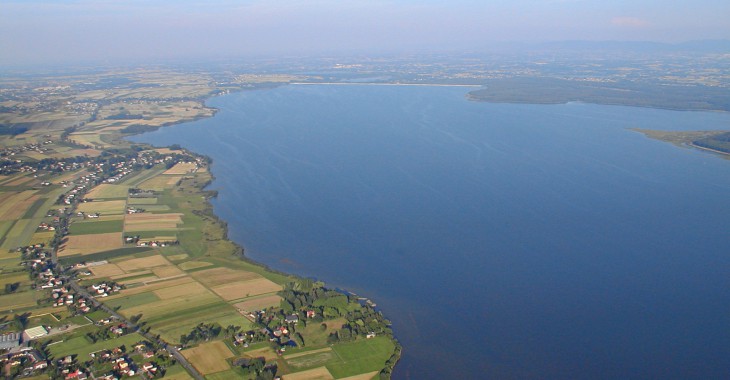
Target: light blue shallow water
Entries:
(503, 241)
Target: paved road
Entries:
(132, 326)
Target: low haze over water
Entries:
(503, 241)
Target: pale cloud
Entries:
(631, 22)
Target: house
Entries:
(292, 318)
(40, 365)
(370, 335)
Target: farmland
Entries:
(137, 217)
(209, 358)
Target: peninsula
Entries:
(114, 264)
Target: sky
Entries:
(38, 32)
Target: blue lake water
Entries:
(503, 241)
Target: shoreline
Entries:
(240, 252)
(383, 84)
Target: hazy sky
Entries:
(67, 31)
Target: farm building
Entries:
(9, 341)
(34, 333)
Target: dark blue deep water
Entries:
(503, 241)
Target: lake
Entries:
(502, 240)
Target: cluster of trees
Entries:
(308, 295)
(99, 335)
(201, 332)
(256, 369)
(720, 142)
(12, 130)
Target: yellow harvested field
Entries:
(19, 181)
(106, 270)
(258, 303)
(134, 274)
(143, 263)
(136, 280)
(181, 168)
(160, 182)
(152, 222)
(159, 226)
(209, 357)
(167, 271)
(164, 151)
(221, 276)
(85, 244)
(106, 190)
(152, 286)
(191, 288)
(363, 376)
(192, 264)
(144, 218)
(104, 207)
(320, 373)
(243, 289)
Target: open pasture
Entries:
(209, 357)
(108, 191)
(307, 360)
(360, 356)
(85, 244)
(103, 207)
(243, 289)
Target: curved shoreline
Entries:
(391, 363)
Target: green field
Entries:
(88, 227)
(20, 300)
(82, 347)
(107, 191)
(20, 234)
(133, 300)
(361, 356)
(142, 201)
